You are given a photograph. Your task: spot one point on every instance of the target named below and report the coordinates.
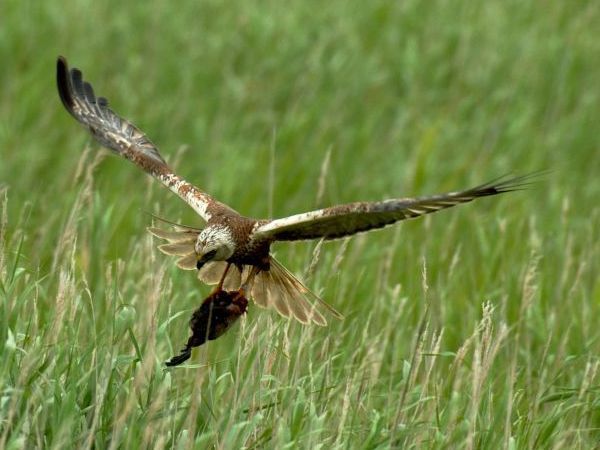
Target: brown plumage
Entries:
(212, 319)
(233, 251)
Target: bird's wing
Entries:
(344, 220)
(180, 243)
(125, 139)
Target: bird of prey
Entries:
(231, 250)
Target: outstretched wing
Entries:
(180, 242)
(344, 220)
(125, 139)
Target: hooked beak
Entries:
(201, 261)
(205, 258)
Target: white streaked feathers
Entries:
(352, 218)
(217, 238)
(188, 193)
(124, 138)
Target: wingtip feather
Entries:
(88, 91)
(507, 183)
(63, 83)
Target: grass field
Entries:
(476, 327)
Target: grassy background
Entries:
(473, 328)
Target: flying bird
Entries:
(231, 250)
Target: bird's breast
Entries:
(253, 254)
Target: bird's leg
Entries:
(247, 284)
(220, 285)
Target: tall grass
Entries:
(472, 328)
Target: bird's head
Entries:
(214, 244)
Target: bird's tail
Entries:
(278, 288)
